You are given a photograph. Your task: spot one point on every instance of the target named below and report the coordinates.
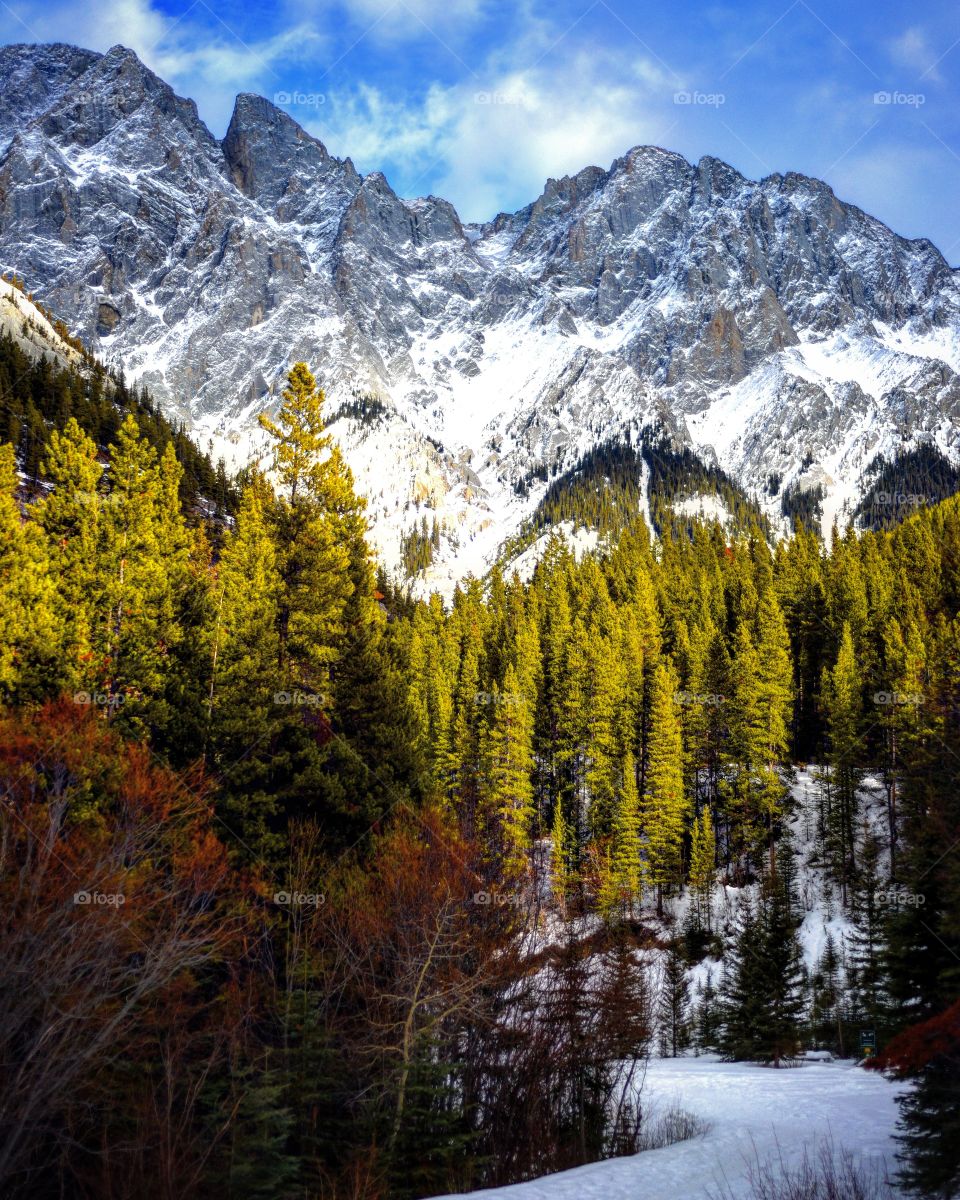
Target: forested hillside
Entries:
(313, 890)
(39, 395)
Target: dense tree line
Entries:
(897, 486)
(603, 490)
(640, 712)
(336, 835)
(39, 396)
(418, 545)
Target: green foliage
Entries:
(602, 491)
(897, 487)
(804, 506)
(763, 986)
(40, 397)
(417, 546)
(625, 722)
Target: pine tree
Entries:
(758, 709)
(247, 705)
(706, 1018)
(703, 853)
(867, 945)
(775, 695)
(561, 854)
(555, 633)
(70, 518)
(30, 633)
(664, 804)
(763, 988)
(316, 501)
(841, 694)
(139, 619)
(374, 760)
(622, 878)
(462, 769)
(905, 662)
(260, 1164)
(573, 739)
(507, 765)
(674, 1004)
(829, 999)
(928, 1055)
(605, 732)
(741, 997)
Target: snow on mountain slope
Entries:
(766, 324)
(22, 320)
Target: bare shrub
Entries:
(666, 1128)
(830, 1174)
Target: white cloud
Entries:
(476, 143)
(200, 54)
(912, 49)
(448, 22)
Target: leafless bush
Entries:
(674, 1124)
(830, 1174)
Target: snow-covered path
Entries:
(751, 1111)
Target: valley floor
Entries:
(752, 1112)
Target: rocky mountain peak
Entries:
(769, 325)
(269, 155)
(34, 79)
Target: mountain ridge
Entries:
(768, 325)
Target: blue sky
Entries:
(482, 100)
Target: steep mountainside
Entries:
(32, 329)
(767, 325)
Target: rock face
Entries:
(767, 324)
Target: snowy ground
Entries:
(752, 1111)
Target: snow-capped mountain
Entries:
(770, 326)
